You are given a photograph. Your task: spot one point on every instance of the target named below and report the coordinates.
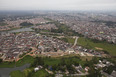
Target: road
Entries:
(75, 42)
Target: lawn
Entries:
(111, 48)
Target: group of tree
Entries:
(37, 61)
(26, 24)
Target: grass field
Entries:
(111, 48)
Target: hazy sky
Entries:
(57, 4)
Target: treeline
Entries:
(65, 63)
(25, 24)
(62, 28)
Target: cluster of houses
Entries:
(45, 27)
(12, 45)
(88, 25)
(50, 44)
(11, 24)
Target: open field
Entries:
(111, 48)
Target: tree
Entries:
(109, 69)
(37, 61)
(1, 60)
(26, 24)
(94, 73)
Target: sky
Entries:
(58, 5)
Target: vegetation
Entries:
(94, 73)
(61, 63)
(17, 74)
(62, 28)
(109, 69)
(26, 59)
(1, 60)
(68, 40)
(7, 64)
(91, 44)
(40, 73)
(26, 24)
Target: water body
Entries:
(18, 30)
(4, 72)
(21, 30)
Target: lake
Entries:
(18, 30)
(21, 30)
